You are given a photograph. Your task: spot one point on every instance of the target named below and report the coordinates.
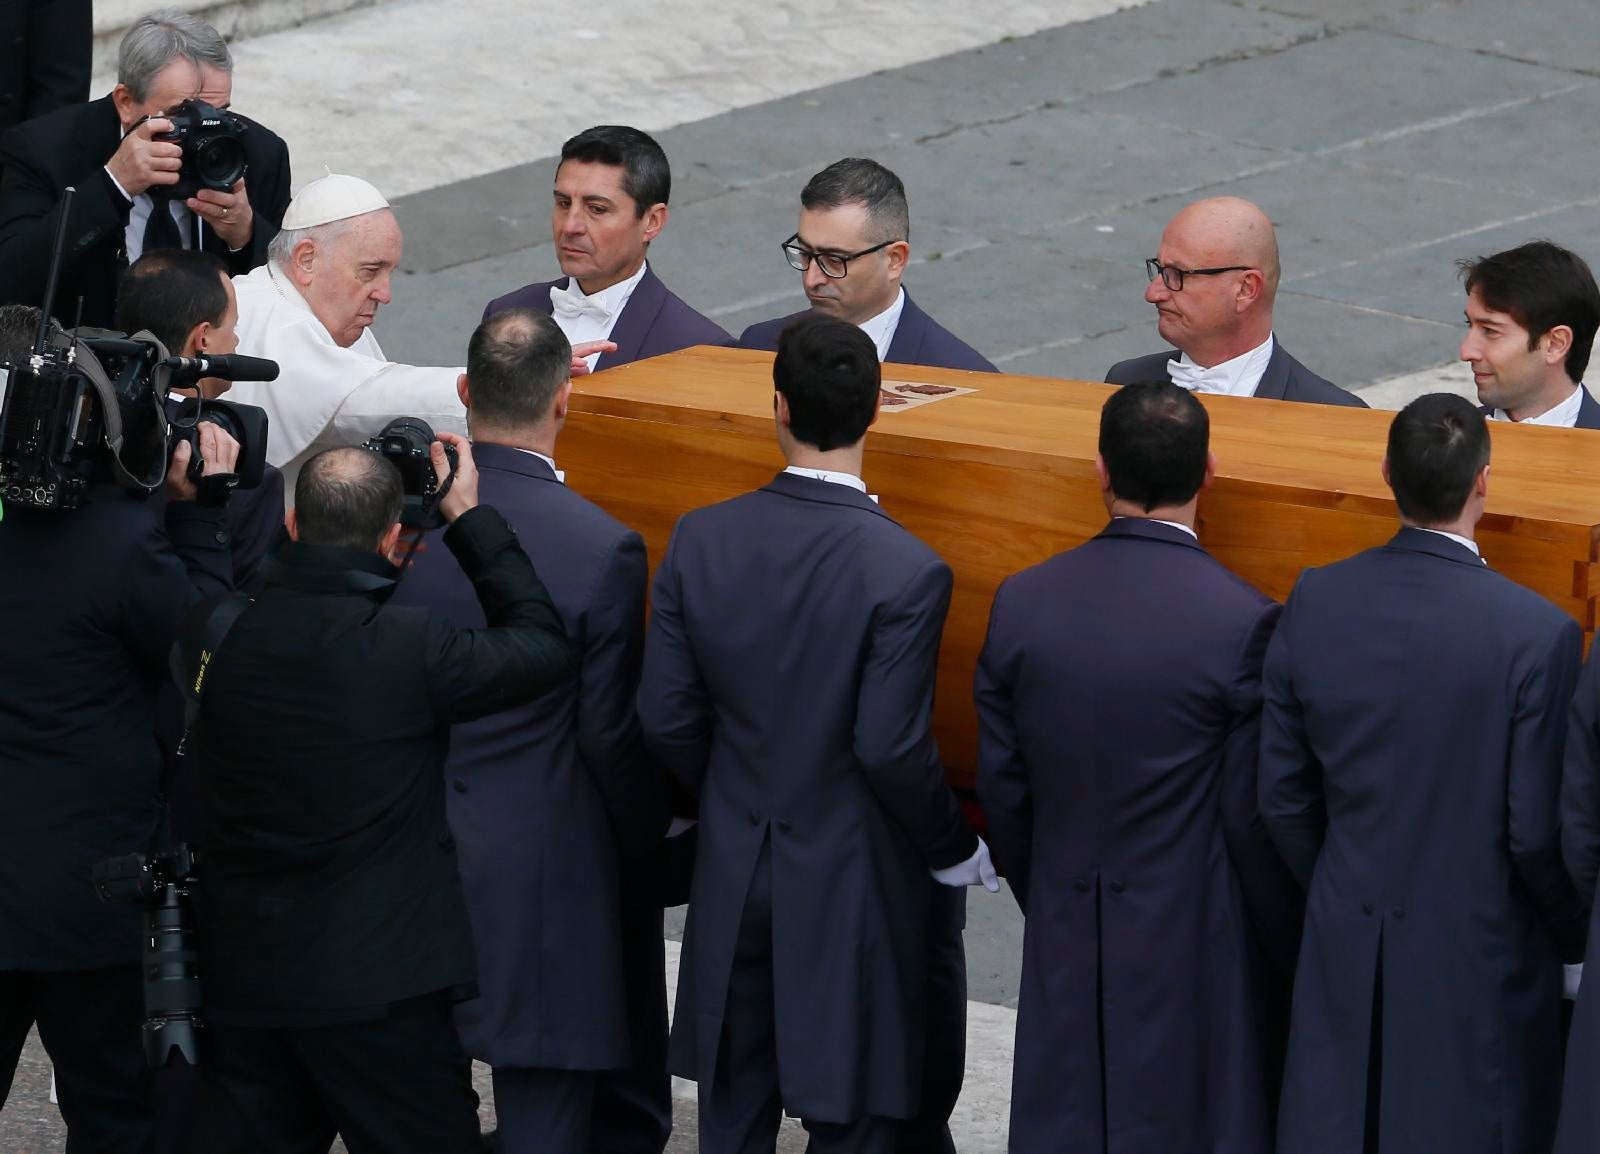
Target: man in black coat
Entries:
(334, 936)
(90, 602)
(1579, 1130)
(1119, 709)
(788, 686)
(45, 50)
(1411, 753)
(549, 802)
(1532, 312)
(1213, 282)
(107, 151)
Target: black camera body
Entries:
(174, 1023)
(212, 140)
(407, 442)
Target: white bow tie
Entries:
(570, 304)
(1196, 379)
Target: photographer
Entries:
(90, 602)
(185, 300)
(333, 931)
(111, 153)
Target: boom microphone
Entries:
(230, 367)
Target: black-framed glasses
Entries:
(1172, 276)
(834, 265)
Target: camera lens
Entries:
(219, 161)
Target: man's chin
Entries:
(827, 306)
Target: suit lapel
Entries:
(1274, 384)
(909, 335)
(633, 326)
(1588, 411)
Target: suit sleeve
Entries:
(524, 649)
(894, 714)
(1538, 737)
(1004, 791)
(267, 185)
(60, 40)
(1273, 900)
(1289, 789)
(1580, 782)
(31, 206)
(610, 742)
(674, 707)
(169, 576)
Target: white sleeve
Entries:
(401, 391)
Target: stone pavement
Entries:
(1044, 146)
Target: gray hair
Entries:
(158, 38)
(280, 249)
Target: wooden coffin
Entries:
(1003, 477)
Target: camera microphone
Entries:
(230, 367)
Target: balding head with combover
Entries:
(347, 497)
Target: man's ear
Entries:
(195, 342)
(1385, 471)
(1557, 343)
(463, 392)
(1102, 474)
(291, 523)
(899, 255)
(1251, 287)
(877, 407)
(390, 545)
(780, 408)
(563, 396)
(303, 262)
(1481, 485)
(126, 106)
(1211, 471)
(655, 219)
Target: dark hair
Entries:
(170, 291)
(828, 372)
(19, 324)
(1438, 444)
(1154, 437)
(646, 176)
(347, 496)
(1540, 285)
(516, 362)
(864, 182)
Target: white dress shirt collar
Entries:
(594, 323)
(551, 461)
(881, 328)
(1158, 521)
(1563, 416)
(1239, 377)
(833, 478)
(1457, 538)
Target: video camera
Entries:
(407, 442)
(91, 395)
(212, 140)
(173, 1006)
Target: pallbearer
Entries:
(1119, 704)
(788, 684)
(1416, 707)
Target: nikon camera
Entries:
(212, 140)
(406, 442)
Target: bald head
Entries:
(347, 497)
(1217, 315)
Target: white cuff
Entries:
(977, 870)
(118, 183)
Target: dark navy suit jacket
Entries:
(788, 685)
(918, 340)
(653, 322)
(1286, 379)
(1119, 708)
(1588, 411)
(544, 798)
(1411, 759)
(1579, 1132)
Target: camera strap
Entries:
(189, 668)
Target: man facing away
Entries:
(1531, 315)
(1213, 283)
(788, 686)
(335, 936)
(1411, 748)
(1119, 708)
(609, 205)
(547, 801)
(851, 250)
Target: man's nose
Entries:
(572, 222)
(1156, 291)
(1469, 347)
(381, 290)
(813, 277)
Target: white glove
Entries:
(977, 870)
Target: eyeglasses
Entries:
(834, 265)
(1172, 276)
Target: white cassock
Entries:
(326, 396)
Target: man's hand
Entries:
(463, 494)
(581, 353)
(140, 163)
(219, 454)
(227, 213)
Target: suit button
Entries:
(785, 824)
(222, 536)
(1366, 908)
(1398, 913)
(1081, 885)
(459, 786)
(1117, 887)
